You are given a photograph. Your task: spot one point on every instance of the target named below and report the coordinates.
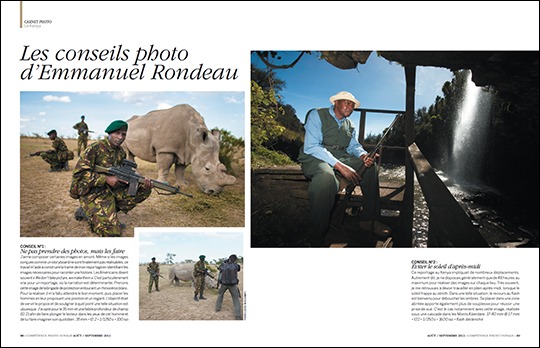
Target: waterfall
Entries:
(470, 134)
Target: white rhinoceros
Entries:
(183, 272)
(178, 136)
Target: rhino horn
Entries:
(224, 178)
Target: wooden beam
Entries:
(449, 224)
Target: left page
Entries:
(123, 126)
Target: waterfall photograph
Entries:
(459, 169)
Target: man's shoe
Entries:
(378, 228)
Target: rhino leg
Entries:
(179, 170)
(164, 161)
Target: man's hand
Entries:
(348, 172)
(113, 181)
(147, 184)
(368, 161)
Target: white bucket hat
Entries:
(346, 96)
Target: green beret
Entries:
(51, 131)
(202, 257)
(116, 125)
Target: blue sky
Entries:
(43, 111)
(377, 84)
(189, 245)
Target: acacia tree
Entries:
(169, 260)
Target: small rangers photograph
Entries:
(100, 164)
(191, 276)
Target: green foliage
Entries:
(229, 146)
(276, 132)
(266, 79)
(263, 157)
(264, 110)
(169, 260)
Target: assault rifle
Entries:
(155, 274)
(342, 205)
(208, 274)
(38, 153)
(204, 272)
(126, 172)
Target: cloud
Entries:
(163, 106)
(53, 98)
(232, 100)
(146, 243)
(42, 113)
(137, 98)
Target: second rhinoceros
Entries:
(178, 136)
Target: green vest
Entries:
(336, 140)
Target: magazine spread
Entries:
(155, 122)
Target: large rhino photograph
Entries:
(179, 136)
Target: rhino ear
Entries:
(216, 133)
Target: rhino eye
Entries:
(207, 169)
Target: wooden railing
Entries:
(449, 224)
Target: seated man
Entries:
(58, 156)
(101, 196)
(330, 149)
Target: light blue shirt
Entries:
(313, 141)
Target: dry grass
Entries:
(176, 302)
(47, 209)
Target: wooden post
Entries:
(362, 129)
(408, 198)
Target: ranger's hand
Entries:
(113, 181)
(147, 184)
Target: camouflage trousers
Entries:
(82, 142)
(199, 284)
(57, 160)
(151, 281)
(101, 208)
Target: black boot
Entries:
(202, 297)
(195, 297)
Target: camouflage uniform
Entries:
(82, 142)
(153, 267)
(58, 159)
(199, 273)
(99, 201)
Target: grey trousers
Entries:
(233, 289)
(324, 186)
